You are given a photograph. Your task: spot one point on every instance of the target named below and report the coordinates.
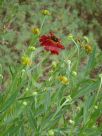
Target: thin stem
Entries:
(96, 97)
(60, 109)
(76, 47)
(42, 23)
(78, 53)
(35, 38)
(98, 90)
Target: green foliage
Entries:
(34, 101)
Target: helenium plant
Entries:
(52, 91)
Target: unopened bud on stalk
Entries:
(23, 70)
(25, 103)
(45, 12)
(71, 122)
(34, 93)
(31, 48)
(27, 89)
(51, 132)
(96, 107)
(54, 64)
(74, 73)
(70, 37)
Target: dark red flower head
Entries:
(51, 43)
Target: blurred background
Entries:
(17, 17)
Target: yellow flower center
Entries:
(64, 79)
(36, 31)
(26, 61)
(88, 49)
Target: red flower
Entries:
(51, 43)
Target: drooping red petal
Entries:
(53, 50)
(60, 46)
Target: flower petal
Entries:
(51, 44)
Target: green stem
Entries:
(42, 23)
(98, 90)
(36, 36)
(78, 52)
(96, 97)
